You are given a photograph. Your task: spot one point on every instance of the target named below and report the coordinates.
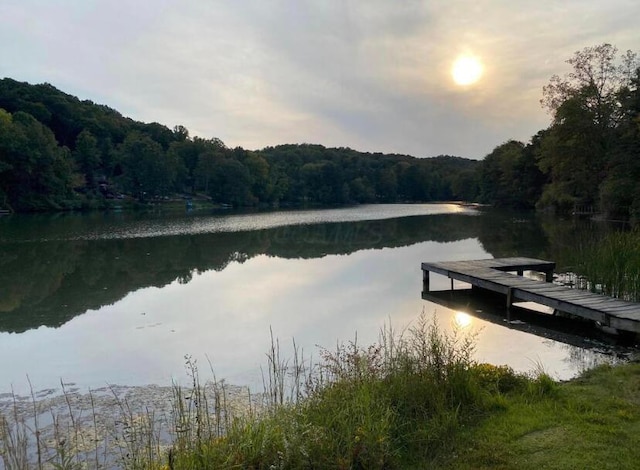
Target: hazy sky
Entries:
(373, 75)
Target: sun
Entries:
(466, 70)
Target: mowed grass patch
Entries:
(590, 422)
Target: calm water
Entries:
(122, 298)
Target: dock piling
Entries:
(425, 280)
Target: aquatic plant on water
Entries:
(611, 265)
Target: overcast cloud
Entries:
(373, 75)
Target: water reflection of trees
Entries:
(511, 233)
(583, 359)
(49, 282)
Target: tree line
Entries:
(58, 152)
(588, 159)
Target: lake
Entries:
(123, 298)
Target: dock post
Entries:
(549, 276)
(520, 272)
(425, 280)
(509, 298)
(451, 283)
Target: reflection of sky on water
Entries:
(226, 317)
(145, 225)
(248, 222)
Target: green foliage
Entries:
(103, 155)
(232, 183)
(34, 171)
(147, 170)
(588, 157)
(619, 192)
(591, 107)
(499, 379)
(315, 174)
(87, 157)
(509, 176)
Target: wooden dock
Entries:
(496, 275)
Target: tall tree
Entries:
(509, 176)
(35, 173)
(585, 105)
(87, 157)
(148, 171)
(620, 192)
(259, 174)
(205, 171)
(231, 183)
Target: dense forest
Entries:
(58, 152)
(588, 159)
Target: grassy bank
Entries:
(592, 422)
(397, 403)
(413, 400)
(423, 403)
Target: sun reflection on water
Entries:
(462, 320)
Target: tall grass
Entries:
(611, 265)
(400, 402)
